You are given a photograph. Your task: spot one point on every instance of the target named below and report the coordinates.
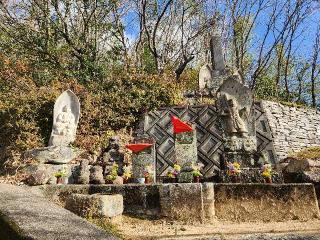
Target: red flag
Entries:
(138, 147)
(179, 126)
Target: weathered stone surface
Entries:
(144, 161)
(182, 202)
(66, 116)
(43, 173)
(217, 52)
(138, 199)
(96, 175)
(261, 202)
(205, 77)
(83, 175)
(234, 202)
(53, 154)
(112, 155)
(292, 128)
(26, 214)
(186, 149)
(95, 205)
(237, 121)
(65, 120)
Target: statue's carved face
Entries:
(66, 109)
(114, 143)
(231, 102)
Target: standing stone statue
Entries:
(237, 121)
(234, 122)
(66, 115)
(113, 155)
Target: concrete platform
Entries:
(26, 214)
(232, 202)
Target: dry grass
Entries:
(307, 153)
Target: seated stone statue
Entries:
(112, 155)
(65, 123)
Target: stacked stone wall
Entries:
(293, 128)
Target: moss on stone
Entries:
(106, 225)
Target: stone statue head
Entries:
(114, 143)
(66, 109)
(232, 103)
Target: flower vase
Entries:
(196, 179)
(141, 180)
(235, 179)
(147, 180)
(59, 180)
(126, 180)
(268, 180)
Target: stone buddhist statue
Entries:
(235, 123)
(237, 120)
(65, 125)
(65, 119)
(66, 115)
(112, 155)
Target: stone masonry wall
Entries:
(293, 128)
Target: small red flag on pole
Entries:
(179, 126)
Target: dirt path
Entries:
(135, 228)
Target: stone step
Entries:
(26, 214)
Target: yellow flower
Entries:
(236, 165)
(266, 173)
(170, 174)
(177, 167)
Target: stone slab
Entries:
(265, 202)
(95, 205)
(26, 214)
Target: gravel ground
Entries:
(135, 228)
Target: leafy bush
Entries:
(106, 106)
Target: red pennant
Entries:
(179, 126)
(138, 147)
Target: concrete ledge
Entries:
(265, 202)
(26, 214)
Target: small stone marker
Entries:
(143, 158)
(185, 148)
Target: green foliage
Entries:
(106, 106)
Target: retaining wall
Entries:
(293, 128)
